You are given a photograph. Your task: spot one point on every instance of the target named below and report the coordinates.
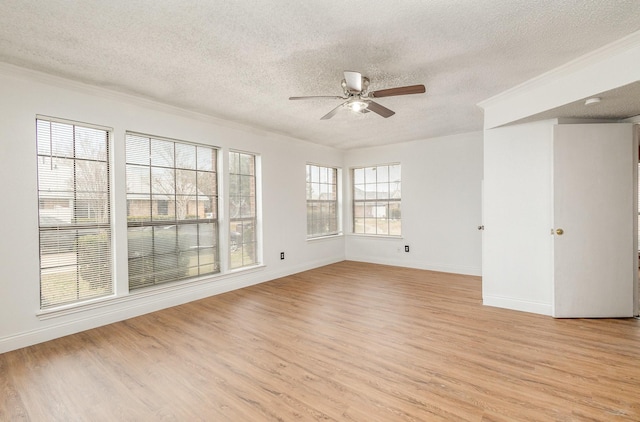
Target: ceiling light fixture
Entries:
(357, 106)
(591, 101)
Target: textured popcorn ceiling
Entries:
(241, 60)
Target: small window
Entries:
(74, 212)
(172, 203)
(243, 246)
(163, 207)
(322, 201)
(376, 200)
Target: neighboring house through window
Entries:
(172, 204)
(376, 200)
(322, 201)
(74, 212)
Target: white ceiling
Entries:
(241, 60)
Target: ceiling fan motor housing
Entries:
(351, 92)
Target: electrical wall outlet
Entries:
(406, 248)
(281, 255)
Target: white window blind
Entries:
(172, 210)
(242, 210)
(322, 201)
(376, 200)
(74, 212)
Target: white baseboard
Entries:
(455, 269)
(517, 304)
(118, 309)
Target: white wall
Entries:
(441, 205)
(517, 270)
(26, 94)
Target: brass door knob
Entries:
(559, 232)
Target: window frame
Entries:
(238, 240)
(163, 218)
(92, 241)
(390, 205)
(331, 202)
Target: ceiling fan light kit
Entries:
(357, 106)
(357, 97)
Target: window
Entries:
(163, 207)
(376, 200)
(322, 201)
(172, 203)
(242, 210)
(73, 212)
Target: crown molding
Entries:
(600, 55)
(28, 74)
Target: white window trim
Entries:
(111, 164)
(339, 203)
(225, 232)
(352, 202)
(218, 220)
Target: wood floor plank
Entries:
(346, 342)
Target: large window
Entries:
(376, 200)
(322, 201)
(74, 212)
(172, 210)
(242, 210)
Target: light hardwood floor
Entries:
(345, 342)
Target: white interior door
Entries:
(595, 257)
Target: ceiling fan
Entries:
(358, 98)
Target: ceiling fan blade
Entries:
(403, 90)
(333, 97)
(333, 112)
(381, 110)
(353, 80)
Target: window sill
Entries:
(377, 236)
(327, 237)
(248, 269)
(142, 293)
